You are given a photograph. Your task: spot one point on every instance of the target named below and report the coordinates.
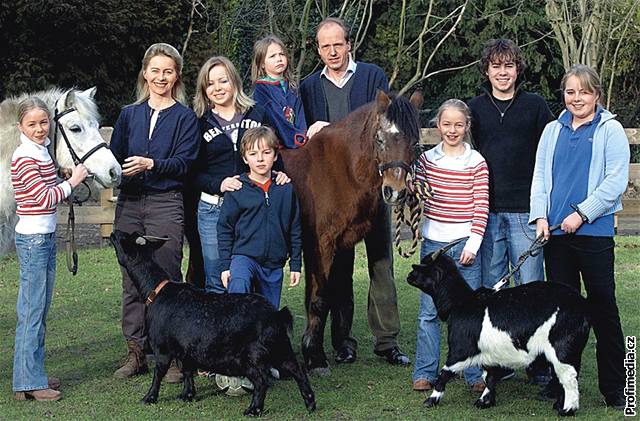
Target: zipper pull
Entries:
(266, 198)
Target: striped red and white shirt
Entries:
(460, 203)
(33, 177)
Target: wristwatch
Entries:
(579, 212)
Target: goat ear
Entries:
(419, 267)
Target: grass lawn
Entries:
(85, 346)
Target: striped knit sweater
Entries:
(33, 177)
(460, 203)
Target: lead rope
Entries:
(70, 241)
(412, 203)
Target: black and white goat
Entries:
(232, 334)
(509, 328)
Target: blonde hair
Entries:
(201, 104)
(588, 78)
(255, 135)
(260, 48)
(161, 49)
(460, 106)
(29, 104)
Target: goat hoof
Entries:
(149, 400)
(484, 404)
(320, 371)
(430, 402)
(186, 397)
(566, 413)
(253, 412)
(310, 403)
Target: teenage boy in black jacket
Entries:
(259, 225)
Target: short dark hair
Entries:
(334, 21)
(254, 135)
(500, 51)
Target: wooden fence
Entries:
(103, 213)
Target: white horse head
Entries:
(78, 117)
(75, 117)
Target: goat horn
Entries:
(153, 238)
(446, 248)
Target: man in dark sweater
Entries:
(329, 95)
(506, 126)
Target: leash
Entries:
(536, 247)
(70, 242)
(413, 202)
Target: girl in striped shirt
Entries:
(459, 178)
(33, 176)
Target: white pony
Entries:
(78, 118)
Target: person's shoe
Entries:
(508, 374)
(478, 387)
(393, 356)
(53, 383)
(203, 373)
(616, 401)
(346, 355)
(274, 373)
(135, 364)
(422, 385)
(174, 375)
(42, 395)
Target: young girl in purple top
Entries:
(275, 91)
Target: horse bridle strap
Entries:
(394, 164)
(155, 292)
(76, 160)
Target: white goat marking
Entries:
(437, 395)
(485, 392)
(496, 347)
(568, 377)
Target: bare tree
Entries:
(591, 32)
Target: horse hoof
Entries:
(149, 400)
(320, 371)
(253, 412)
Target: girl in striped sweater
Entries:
(33, 176)
(459, 179)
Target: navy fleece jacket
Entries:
(262, 225)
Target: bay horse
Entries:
(340, 176)
(74, 115)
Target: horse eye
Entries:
(75, 129)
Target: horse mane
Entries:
(405, 116)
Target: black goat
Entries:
(505, 329)
(233, 334)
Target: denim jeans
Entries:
(208, 216)
(248, 276)
(428, 340)
(507, 236)
(37, 256)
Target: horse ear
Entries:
(382, 101)
(417, 99)
(89, 93)
(69, 99)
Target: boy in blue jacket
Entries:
(259, 225)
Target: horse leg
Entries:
(339, 295)
(195, 270)
(313, 338)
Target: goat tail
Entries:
(285, 319)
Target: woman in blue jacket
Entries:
(581, 172)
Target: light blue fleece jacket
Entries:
(608, 170)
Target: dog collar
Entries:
(155, 292)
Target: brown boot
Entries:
(135, 364)
(174, 375)
(43, 395)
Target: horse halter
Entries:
(76, 160)
(395, 164)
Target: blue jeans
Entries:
(248, 276)
(208, 216)
(507, 236)
(428, 340)
(37, 256)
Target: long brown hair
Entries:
(260, 48)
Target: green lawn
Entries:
(85, 345)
